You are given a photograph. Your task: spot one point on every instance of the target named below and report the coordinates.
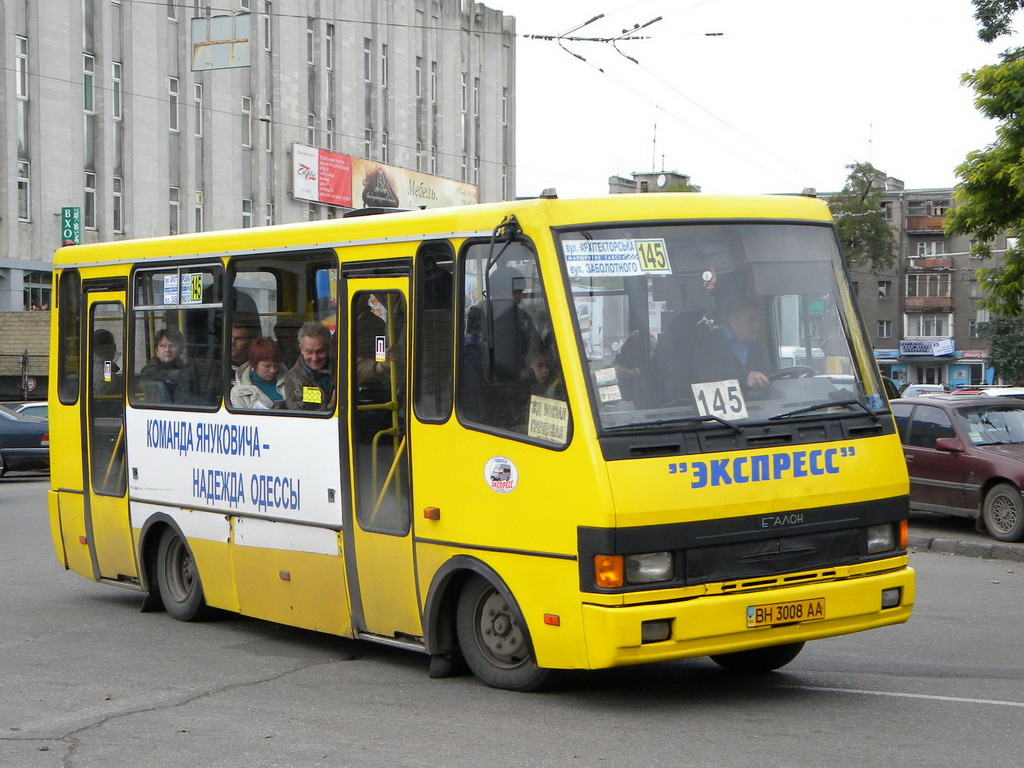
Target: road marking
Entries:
(898, 695)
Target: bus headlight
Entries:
(648, 568)
(881, 538)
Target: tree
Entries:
(867, 240)
(681, 186)
(990, 194)
(1006, 347)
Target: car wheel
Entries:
(1003, 513)
(178, 578)
(758, 660)
(493, 639)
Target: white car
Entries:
(913, 390)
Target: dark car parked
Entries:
(965, 455)
(24, 442)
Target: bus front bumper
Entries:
(716, 624)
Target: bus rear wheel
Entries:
(493, 639)
(758, 660)
(178, 579)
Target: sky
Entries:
(783, 97)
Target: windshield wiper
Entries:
(661, 423)
(820, 406)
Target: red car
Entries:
(965, 455)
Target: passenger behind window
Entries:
(244, 329)
(168, 378)
(546, 373)
(106, 379)
(309, 384)
(259, 383)
(287, 333)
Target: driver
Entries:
(736, 351)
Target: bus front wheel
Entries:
(758, 660)
(178, 579)
(493, 639)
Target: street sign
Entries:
(71, 226)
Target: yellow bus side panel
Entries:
(300, 589)
(71, 508)
(717, 624)
(213, 561)
(541, 586)
(56, 536)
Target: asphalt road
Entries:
(86, 680)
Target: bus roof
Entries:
(453, 221)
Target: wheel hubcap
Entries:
(497, 632)
(1004, 513)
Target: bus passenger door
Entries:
(107, 525)
(379, 549)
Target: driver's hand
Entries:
(757, 379)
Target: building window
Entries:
(886, 208)
(268, 129)
(310, 47)
(267, 10)
(197, 100)
(931, 248)
(927, 325)
(884, 289)
(329, 48)
(174, 211)
(269, 217)
(329, 133)
(932, 285)
(37, 290)
(972, 329)
(384, 148)
(199, 212)
(246, 122)
(21, 66)
(89, 208)
(246, 213)
(367, 142)
(172, 10)
(116, 90)
(117, 205)
(88, 82)
(884, 329)
(172, 104)
(24, 191)
(311, 129)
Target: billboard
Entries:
(376, 185)
(321, 176)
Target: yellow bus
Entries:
(531, 436)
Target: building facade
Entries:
(923, 313)
(113, 126)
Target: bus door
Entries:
(379, 545)
(107, 525)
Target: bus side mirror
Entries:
(502, 340)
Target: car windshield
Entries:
(736, 321)
(992, 425)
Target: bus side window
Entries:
(69, 309)
(434, 329)
(176, 339)
(272, 298)
(518, 387)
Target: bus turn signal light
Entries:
(903, 534)
(608, 571)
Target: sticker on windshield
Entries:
(723, 399)
(625, 258)
(549, 419)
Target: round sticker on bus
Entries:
(501, 474)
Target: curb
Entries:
(994, 551)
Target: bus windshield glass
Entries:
(698, 324)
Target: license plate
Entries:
(785, 613)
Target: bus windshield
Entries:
(693, 324)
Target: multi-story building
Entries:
(129, 119)
(923, 313)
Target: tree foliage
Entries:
(990, 194)
(1006, 347)
(681, 186)
(868, 241)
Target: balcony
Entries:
(928, 304)
(930, 262)
(924, 225)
